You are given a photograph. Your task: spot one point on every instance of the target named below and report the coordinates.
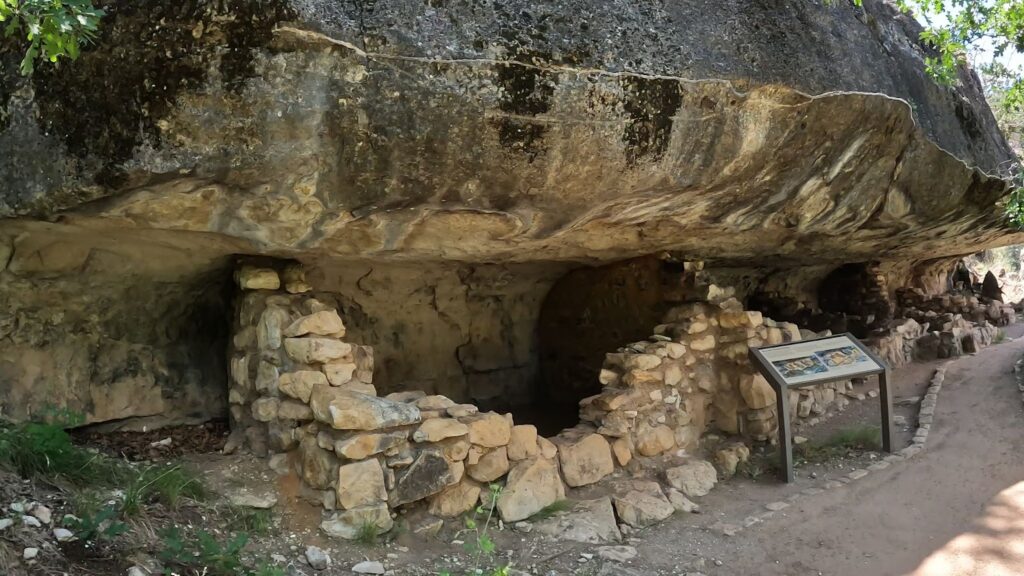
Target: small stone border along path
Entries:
(1018, 373)
(926, 414)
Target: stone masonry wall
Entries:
(305, 395)
(692, 374)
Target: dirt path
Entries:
(955, 510)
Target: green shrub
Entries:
(248, 520)
(168, 483)
(34, 449)
(103, 525)
(204, 554)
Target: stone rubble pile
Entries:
(943, 326)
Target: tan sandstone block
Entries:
(455, 500)
(623, 450)
(437, 429)
(532, 485)
(347, 410)
(299, 385)
(265, 409)
(254, 278)
(361, 484)
(293, 410)
(316, 350)
(585, 460)
(323, 323)
(339, 373)
(490, 466)
(366, 445)
(651, 441)
(757, 392)
(523, 442)
(489, 430)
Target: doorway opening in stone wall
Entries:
(160, 380)
(588, 313)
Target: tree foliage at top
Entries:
(53, 29)
(989, 34)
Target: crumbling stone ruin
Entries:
(409, 261)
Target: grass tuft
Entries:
(34, 449)
(842, 443)
(249, 520)
(367, 534)
(552, 509)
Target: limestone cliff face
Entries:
(482, 132)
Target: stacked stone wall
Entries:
(694, 374)
(305, 395)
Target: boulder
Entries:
(643, 505)
(429, 474)
(532, 485)
(316, 350)
(589, 521)
(267, 377)
(351, 524)
(489, 430)
(269, 328)
(361, 484)
(522, 442)
(653, 440)
(348, 410)
(323, 323)
(456, 499)
(489, 467)
(455, 449)
(406, 396)
(695, 478)
(584, 459)
(680, 502)
(547, 447)
(462, 410)
(434, 403)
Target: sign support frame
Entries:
(781, 388)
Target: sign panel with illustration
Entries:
(817, 361)
(823, 359)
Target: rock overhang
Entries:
(382, 144)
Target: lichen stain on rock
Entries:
(525, 91)
(650, 103)
(114, 96)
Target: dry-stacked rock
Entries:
(297, 386)
(694, 373)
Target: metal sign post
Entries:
(819, 361)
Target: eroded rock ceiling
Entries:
(495, 132)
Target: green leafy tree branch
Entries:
(53, 29)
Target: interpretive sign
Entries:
(817, 361)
